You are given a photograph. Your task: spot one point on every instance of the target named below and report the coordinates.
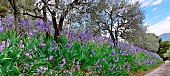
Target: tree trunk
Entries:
(60, 25)
(112, 36)
(45, 20)
(56, 33)
(16, 13)
(116, 36)
(16, 22)
(57, 29)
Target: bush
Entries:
(163, 48)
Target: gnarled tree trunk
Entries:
(16, 13)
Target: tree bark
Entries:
(60, 25)
(16, 13)
(16, 22)
(112, 36)
(56, 32)
(116, 38)
(45, 22)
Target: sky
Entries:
(157, 15)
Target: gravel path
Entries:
(163, 70)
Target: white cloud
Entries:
(156, 2)
(161, 27)
(147, 2)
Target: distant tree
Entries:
(167, 54)
(164, 45)
(137, 37)
(151, 42)
(169, 39)
(148, 41)
(159, 49)
(163, 49)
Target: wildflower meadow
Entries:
(76, 54)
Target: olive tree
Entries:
(119, 18)
(140, 38)
(167, 54)
(59, 11)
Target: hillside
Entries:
(165, 36)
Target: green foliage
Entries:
(4, 7)
(164, 47)
(148, 41)
(167, 54)
(3, 11)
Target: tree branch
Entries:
(10, 1)
(33, 15)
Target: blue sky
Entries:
(157, 15)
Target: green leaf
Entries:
(6, 58)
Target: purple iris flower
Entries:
(47, 25)
(22, 21)
(51, 72)
(20, 42)
(86, 31)
(0, 22)
(51, 57)
(93, 52)
(68, 45)
(3, 43)
(26, 24)
(113, 52)
(38, 71)
(128, 67)
(88, 69)
(78, 67)
(10, 25)
(105, 60)
(39, 21)
(27, 54)
(30, 34)
(1, 28)
(117, 59)
(52, 49)
(0, 49)
(30, 57)
(45, 68)
(42, 45)
(46, 59)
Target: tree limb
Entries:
(32, 15)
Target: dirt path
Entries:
(163, 70)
